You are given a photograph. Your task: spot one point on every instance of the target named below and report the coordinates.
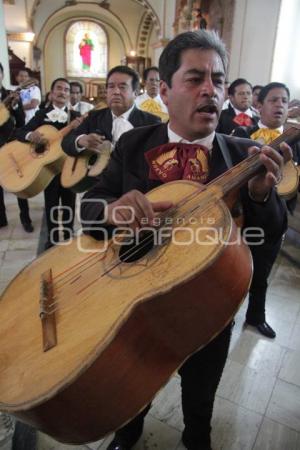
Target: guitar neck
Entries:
(238, 175)
(27, 84)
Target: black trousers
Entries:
(23, 207)
(54, 194)
(200, 376)
(263, 259)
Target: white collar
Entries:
(60, 109)
(206, 141)
(125, 115)
(249, 111)
(261, 125)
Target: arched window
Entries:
(86, 50)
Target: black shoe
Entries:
(28, 227)
(264, 329)
(190, 445)
(3, 223)
(116, 444)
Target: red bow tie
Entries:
(178, 161)
(243, 120)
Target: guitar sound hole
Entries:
(133, 251)
(92, 159)
(41, 147)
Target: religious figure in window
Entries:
(86, 47)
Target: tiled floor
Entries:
(258, 401)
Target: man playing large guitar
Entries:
(12, 116)
(192, 70)
(273, 102)
(110, 123)
(57, 115)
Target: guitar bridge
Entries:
(47, 314)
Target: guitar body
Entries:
(122, 330)
(26, 172)
(79, 172)
(288, 186)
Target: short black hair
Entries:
(135, 79)
(76, 84)
(257, 86)
(24, 69)
(170, 59)
(146, 71)
(58, 79)
(237, 83)
(266, 89)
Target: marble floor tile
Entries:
(4, 243)
(274, 436)
(45, 442)
(284, 405)
(246, 387)
(283, 308)
(156, 436)
(6, 232)
(96, 445)
(261, 355)
(290, 370)
(19, 256)
(24, 244)
(228, 420)
(294, 340)
(167, 404)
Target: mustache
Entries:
(208, 107)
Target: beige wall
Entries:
(253, 40)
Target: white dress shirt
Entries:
(206, 141)
(120, 125)
(82, 107)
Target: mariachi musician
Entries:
(58, 115)
(273, 103)
(192, 70)
(12, 116)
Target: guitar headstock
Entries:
(28, 83)
(289, 125)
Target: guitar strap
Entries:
(224, 150)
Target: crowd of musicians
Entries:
(183, 102)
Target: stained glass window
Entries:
(86, 50)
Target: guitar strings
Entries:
(116, 262)
(164, 215)
(145, 242)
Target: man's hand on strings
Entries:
(134, 210)
(92, 141)
(273, 161)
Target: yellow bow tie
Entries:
(265, 135)
(152, 106)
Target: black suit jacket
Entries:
(226, 124)
(129, 170)
(16, 119)
(40, 118)
(100, 121)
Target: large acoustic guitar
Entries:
(79, 172)
(26, 169)
(90, 331)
